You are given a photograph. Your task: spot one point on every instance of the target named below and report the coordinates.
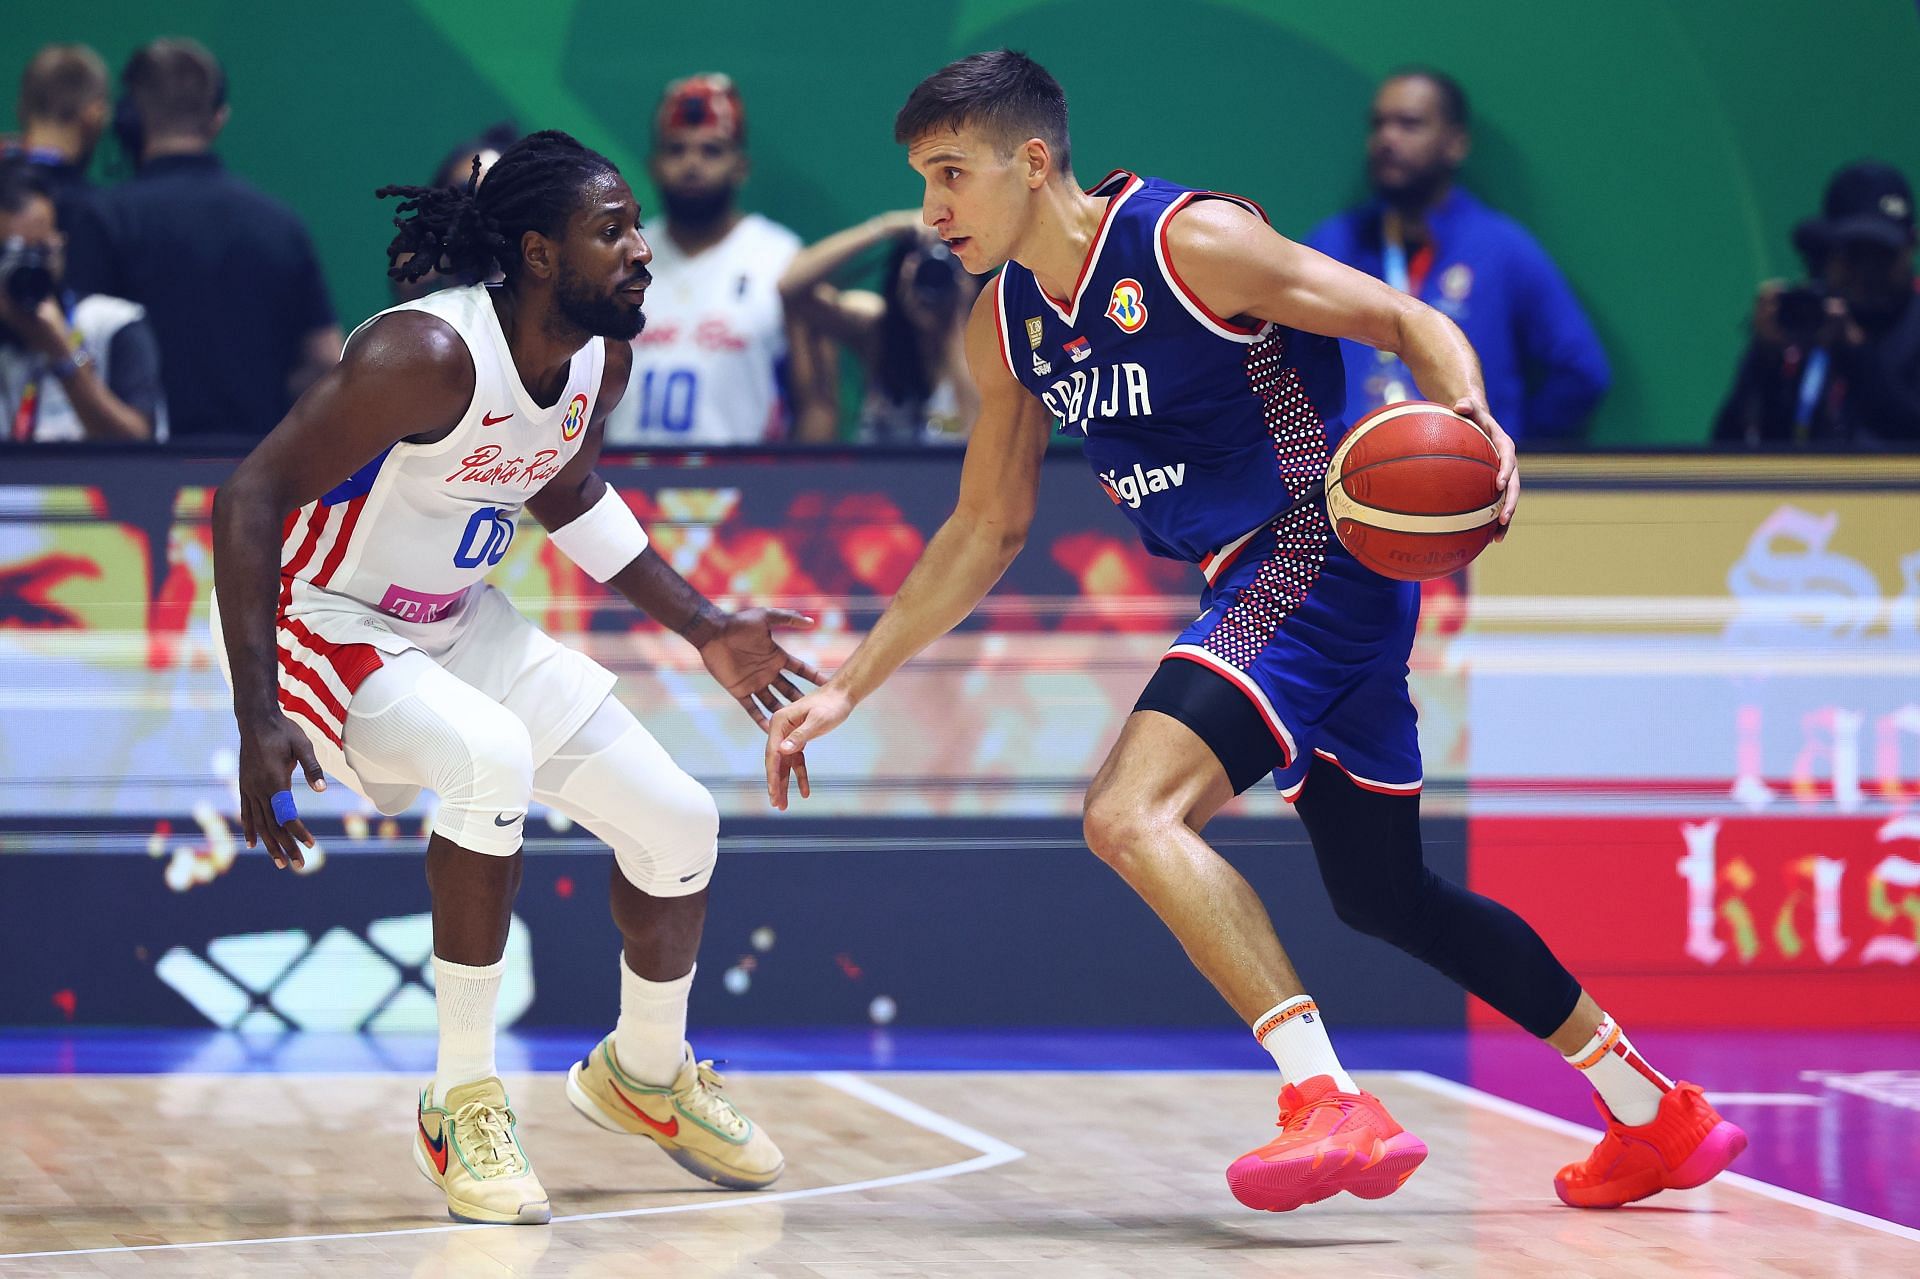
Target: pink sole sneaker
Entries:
(1285, 1184)
(1720, 1147)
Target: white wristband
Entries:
(604, 539)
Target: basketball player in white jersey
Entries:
(362, 641)
(718, 363)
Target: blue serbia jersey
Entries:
(1202, 428)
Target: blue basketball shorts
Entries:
(1298, 656)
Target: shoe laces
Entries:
(701, 1098)
(1328, 1107)
(487, 1133)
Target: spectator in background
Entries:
(716, 363)
(466, 163)
(1836, 360)
(1543, 365)
(71, 367)
(227, 275)
(910, 337)
(63, 111)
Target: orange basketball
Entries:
(1411, 491)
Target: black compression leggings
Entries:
(1368, 847)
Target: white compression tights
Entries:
(613, 778)
(412, 725)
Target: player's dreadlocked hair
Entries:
(470, 229)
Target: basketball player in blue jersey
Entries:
(1194, 352)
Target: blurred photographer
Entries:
(228, 275)
(1835, 359)
(71, 367)
(909, 336)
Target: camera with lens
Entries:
(936, 278)
(26, 272)
(1800, 310)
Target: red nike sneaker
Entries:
(1329, 1141)
(1687, 1144)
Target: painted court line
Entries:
(1553, 1123)
(993, 1153)
(1766, 1099)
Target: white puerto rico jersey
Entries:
(709, 366)
(416, 529)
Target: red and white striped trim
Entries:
(1238, 678)
(316, 533)
(1212, 566)
(317, 677)
(1067, 311)
(1000, 321)
(1215, 324)
(1367, 783)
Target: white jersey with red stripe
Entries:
(396, 555)
(415, 529)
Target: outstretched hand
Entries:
(1508, 477)
(793, 726)
(746, 660)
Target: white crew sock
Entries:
(1293, 1032)
(652, 1028)
(1631, 1088)
(464, 997)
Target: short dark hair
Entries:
(471, 229)
(60, 82)
(1002, 92)
(177, 86)
(21, 183)
(1453, 99)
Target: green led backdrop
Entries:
(1660, 149)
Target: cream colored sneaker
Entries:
(468, 1148)
(698, 1127)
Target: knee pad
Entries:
(428, 729)
(617, 781)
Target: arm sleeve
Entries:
(1567, 366)
(133, 370)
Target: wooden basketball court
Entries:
(898, 1174)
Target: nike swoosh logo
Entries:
(437, 1149)
(696, 874)
(507, 819)
(489, 419)
(671, 1128)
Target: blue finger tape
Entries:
(283, 809)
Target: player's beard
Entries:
(588, 310)
(697, 210)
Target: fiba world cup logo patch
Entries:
(576, 419)
(1127, 307)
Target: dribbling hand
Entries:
(269, 752)
(1508, 477)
